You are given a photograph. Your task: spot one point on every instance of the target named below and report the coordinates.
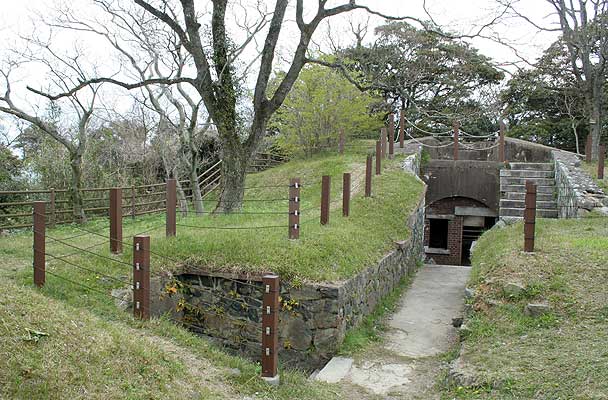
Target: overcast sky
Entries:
(460, 16)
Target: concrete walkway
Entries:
(405, 365)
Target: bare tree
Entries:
(64, 72)
(569, 102)
(216, 73)
(147, 50)
(583, 25)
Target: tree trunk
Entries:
(595, 124)
(573, 125)
(197, 197)
(75, 188)
(235, 160)
(181, 196)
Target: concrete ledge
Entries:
(475, 211)
(433, 250)
(440, 216)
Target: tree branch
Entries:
(128, 86)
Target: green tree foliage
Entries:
(433, 77)
(117, 154)
(321, 103)
(546, 104)
(11, 169)
(11, 173)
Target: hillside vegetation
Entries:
(561, 354)
(323, 253)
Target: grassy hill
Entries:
(323, 253)
(562, 354)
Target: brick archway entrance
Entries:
(452, 224)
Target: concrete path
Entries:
(405, 365)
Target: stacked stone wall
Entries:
(577, 192)
(314, 317)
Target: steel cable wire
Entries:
(233, 227)
(84, 250)
(88, 269)
(428, 145)
(83, 285)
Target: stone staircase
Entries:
(513, 189)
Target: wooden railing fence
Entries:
(15, 206)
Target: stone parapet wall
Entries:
(577, 192)
(412, 162)
(314, 317)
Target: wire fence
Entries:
(141, 271)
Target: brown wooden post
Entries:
(368, 176)
(39, 243)
(325, 193)
(52, 215)
(384, 134)
(294, 208)
(141, 277)
(346, 194)
(600, 162)
(116, 220)
(501, 143)
(378, 158)
(391, 135)
(456, 126)
(529, 216)
(588, 148)
(341, 143)
(270, 328)
(171, 207)
(402, 128)
(133, 202)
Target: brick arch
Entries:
(457, 201)
(449, 215)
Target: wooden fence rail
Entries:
(15, 205)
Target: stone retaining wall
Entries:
(577, 192)
(314, 317)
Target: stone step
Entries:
(532, 166)
(336, 369)
(522, 196)
(519, 212)
(522, 181)
(522, 188)
(546, 205)
(528, 173)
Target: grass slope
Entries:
(50, 351)
(561, 355)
